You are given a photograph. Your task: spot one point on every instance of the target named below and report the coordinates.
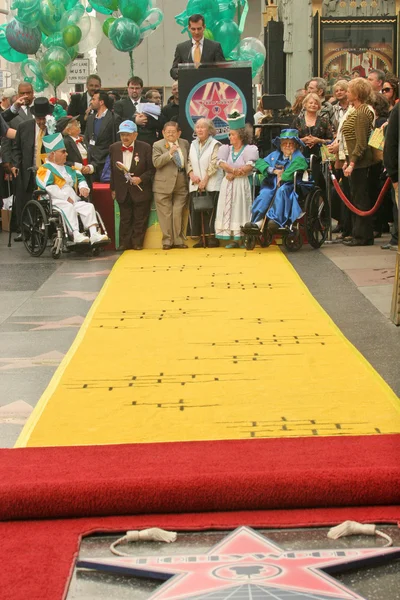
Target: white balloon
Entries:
(93, 38)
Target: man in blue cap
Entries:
(132, 173)
(65, 186)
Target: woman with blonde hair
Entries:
(313, 129)
(341, 104)
(357, 128)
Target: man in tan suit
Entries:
(170, 185)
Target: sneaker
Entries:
(80, 238)
(98, 238)
(389, 246)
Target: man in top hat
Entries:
(278, 168)
(77, 152)
(132, 190)
(28, 153)
(63, 184)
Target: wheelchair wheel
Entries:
(293, 241)
(34, 228)
(316, 219)
(249, 242)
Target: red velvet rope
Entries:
(361, 213)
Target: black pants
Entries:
(134, 216)
(360, 196)
(340, 212)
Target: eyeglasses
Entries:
(384, 90)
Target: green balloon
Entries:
(226, 10)
(73, 52)
(124, 34)
(107, 24)
(71, 35)
(134, 9)
(54, 72)
(227, 34)
(68, 4)
(28, 12)
(55, 54)
(208, 34)
(6, 51)
(106, 7)
(49, 21)
(72, 16)
(56, 39)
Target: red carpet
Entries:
(319, 481)
(265, 474)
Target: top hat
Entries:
(42, 107)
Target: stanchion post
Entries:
(395, 309)
(328, 199)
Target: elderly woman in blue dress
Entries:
(234, 202)
(278, 198)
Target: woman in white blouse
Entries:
(204, 176)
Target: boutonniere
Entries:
(136, 159)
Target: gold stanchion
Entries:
(395, 310)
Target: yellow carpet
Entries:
(201, 345)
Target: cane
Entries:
(11, 216)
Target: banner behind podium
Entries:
(213, 92)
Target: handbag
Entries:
(376, 142)
(202, 202)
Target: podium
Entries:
(213, 91)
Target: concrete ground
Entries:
(43, 302)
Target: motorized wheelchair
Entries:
(314, 221)
(43, 225)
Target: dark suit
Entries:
(98, 152)
(149, 133)
(77, 107)
(134, 204)
(212, 52)
(74, 156)
(23, 159)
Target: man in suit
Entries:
(170, 187)
(28, 153)
(100, 132)
(197, 50)
(77, 152)
(126, 108)
(132, 190)
(80, 103)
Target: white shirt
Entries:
(127, 157)
(201, 44)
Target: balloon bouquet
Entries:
(221, 26)
(55, 31)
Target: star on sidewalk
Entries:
(48, 325)
(247, 565)
(16, 412)
(88, 275)
(48, 359)
(89, 296)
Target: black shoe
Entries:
(273, 226)
(200, 245)
(213, 243)
(18, 238)
(356, 242)
(250, 229)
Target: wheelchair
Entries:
(43, 225)
(315, 218)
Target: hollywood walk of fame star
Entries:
(48, 325)
(88, 275)
(215, 105)
(89, 296)
(49, 359)
(246, 565)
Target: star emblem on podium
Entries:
(247, 565)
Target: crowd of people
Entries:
(201, 187)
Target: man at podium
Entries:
(197, 50)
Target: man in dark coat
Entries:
(100, 132)
(80, 104)
(197, 50)
(28, 152)
(132, 190)
(391, 162)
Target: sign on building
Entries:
(78, 71)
